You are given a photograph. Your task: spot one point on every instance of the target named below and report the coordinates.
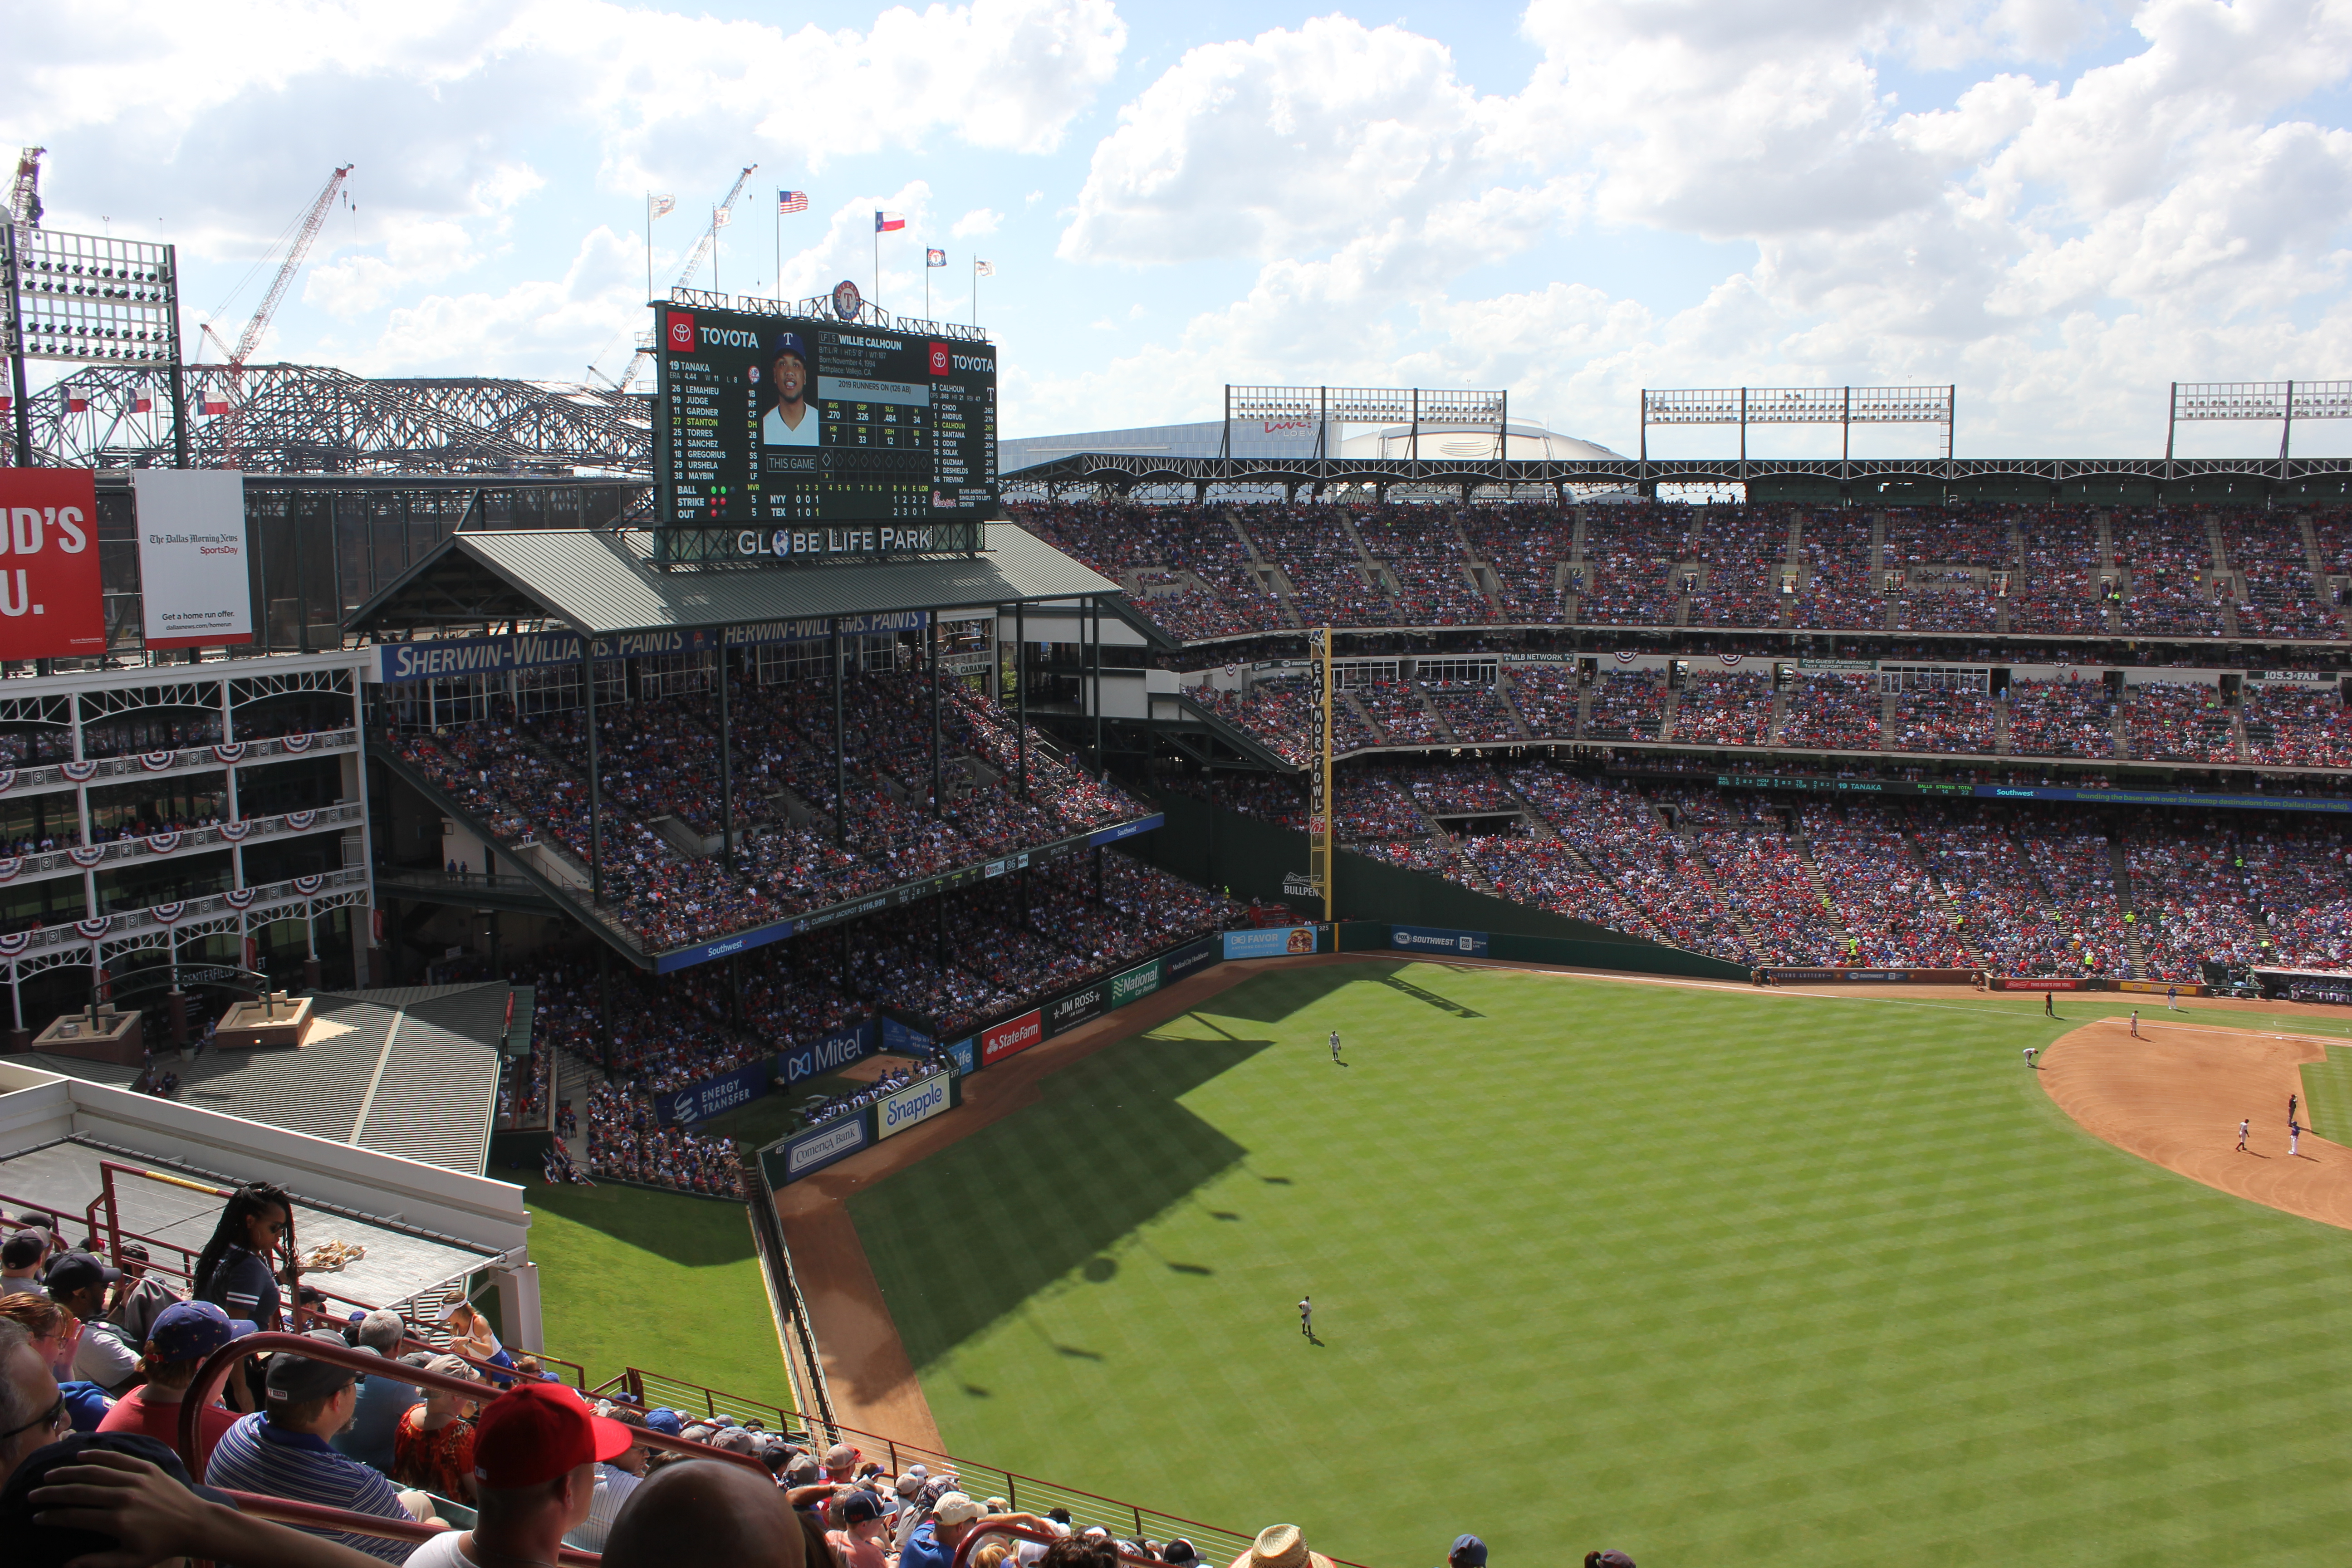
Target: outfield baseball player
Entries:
(2029, 1055)
(2050, 1003)
(1335, 1045)
(1306, 1316)
(2243, 1125)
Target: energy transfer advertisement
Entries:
(192, 563)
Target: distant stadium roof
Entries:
(1257, 439)
(603, 582)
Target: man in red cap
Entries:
(536, 1448)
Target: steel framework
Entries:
(1844, 406)
(2284, 401)
(1296, 408)
(315, 419)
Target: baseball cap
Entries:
(77, 1271)
(736, 1440)
(1468, 1549)
(191, 1331)
(665, 1421)
(23, 1249)
(1611, 1560)
(858, 1508)
(790, 344)
(38, 1545)
(911, 1481)
(297, 1379)
(840, 1456)
(1179, 1551)
(956, 1508)
(538, 1431)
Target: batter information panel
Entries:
(793, 422)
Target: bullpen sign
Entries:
(50, 605)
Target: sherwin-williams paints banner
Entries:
(193, 586)
(50, 605)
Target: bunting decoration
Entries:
(78, 773)
(163, 843)
(10, 867)
(1731, 660)
(239, 897)
(156, 761)
(8, 780)
(300, 821)
(1627, 658)
(298, 743)
(95, 927)
(237, 832)
(169, 914)
(230, 751)
(15, 942)
(86, 854)
(306, 886)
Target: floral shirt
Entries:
(440, 1462)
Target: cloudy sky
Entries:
(2059, 206)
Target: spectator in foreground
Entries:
(1607, 1559)
(283, 1451)
(1281, 1546)
(1468, 1552)
(21, 1257)
(32, 1411)
(50, 1329)
(79, 1283)
(535, 1457)
(141, 1299)
(150, 1514)
(184, 1334)
(434, 1448)
(861, 1539)
(382, 1399)
(933, 1544)
(710, 1511)
(616, 1479)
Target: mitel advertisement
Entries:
(837, 1049)
(193, 584)
(1274, 943)
(1078, 1007)
(1430, 939)
(1190, 958)
(51, 604)
(1012, 1036)
(915, 1104)
(701, 1101)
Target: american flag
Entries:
(983, 269)
(792, 202)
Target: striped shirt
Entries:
(255, 1457)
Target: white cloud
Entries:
(978, 221)
(533, 328)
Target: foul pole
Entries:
(1322, 801)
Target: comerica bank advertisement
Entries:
(795, 422)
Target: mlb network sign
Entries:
(914, 1104)
(1430, 939)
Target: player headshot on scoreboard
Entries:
(793, 422)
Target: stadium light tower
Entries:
(2284, 401)
(1844, 406)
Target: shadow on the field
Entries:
(1271, 997)
(959, 1242)
(1442, 1003)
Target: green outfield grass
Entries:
(1713, 1277)
(630, 1277)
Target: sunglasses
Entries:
(55, 1420)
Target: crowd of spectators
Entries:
(2061, 718)
(1724, 707)
(2033, 888)
(1832, 709)
(2282, 599)
(1627, 705)
(1525, 548)
(1396, 706)
(1841, 584)
(1744, 551)
(1629, 554)
(2177, 721)
(2059, 549)
(1472, 709)
(1191, 549)
(1941, 721)
(2168, 556)
(1329, 582)
(2297, 726)
(1546, 696)
(1423, 554)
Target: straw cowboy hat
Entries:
(1280, 1546)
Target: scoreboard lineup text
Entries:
(796, 422)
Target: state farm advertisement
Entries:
(191, 557)
(1012, 1035)
(51, 604)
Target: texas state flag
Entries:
(885, 222)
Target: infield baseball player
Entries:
(2294, 1136)
(2243, 1125)
(2029, 1055)
(2135, 1029)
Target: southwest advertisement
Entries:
(193, 590)
(1430, 939)
(50, 603)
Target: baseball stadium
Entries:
(1358, 966)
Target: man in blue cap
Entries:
(1469, 1552)
(185, 1333)
(791, 422)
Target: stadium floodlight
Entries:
(1320, 407)
(2284, 401)
(1844, 406)
(89, 300)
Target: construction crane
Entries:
(25, 190)
(693, 265)
(232, 445)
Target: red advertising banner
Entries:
(1012, 1035)
(2038, 983)
(50, 605)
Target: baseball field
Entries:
(1708, 1275)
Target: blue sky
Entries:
(2058, 206)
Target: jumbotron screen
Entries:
(765, 419)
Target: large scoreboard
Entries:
(814, 436)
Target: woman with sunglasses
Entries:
(234, 1272)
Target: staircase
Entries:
(2105, 522)
(2120, 868)
(1820, 887)
(1481, 573)
(1666, 718)
(1264, 570)
(2116, 726)
(1779, 717)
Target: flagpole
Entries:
(877, 295)
(778, 293)
(927, 283)
(649, 245)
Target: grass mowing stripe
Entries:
(669, 1283)
(1670, 1270)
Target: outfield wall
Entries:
(1220, 848)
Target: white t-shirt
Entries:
(774, 432)
(442, 1551)
(103, 1358)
